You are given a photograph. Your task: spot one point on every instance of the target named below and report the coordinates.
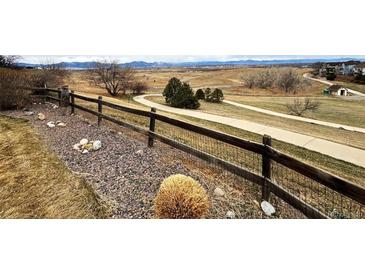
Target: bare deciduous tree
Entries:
(112, 77)
(299, 107)
(8, 61)
(266, 78)
(289, 80)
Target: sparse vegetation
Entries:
(299, 107)
(51, 75)
(34, 183)
(139, 87)
(180, 95)
(286, 79)
(181, 197)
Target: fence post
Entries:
(72, 102)
(59, 97)
(100, 108)
(152, 127)
(266, 168)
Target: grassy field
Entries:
(338, 167)
(350, 138)
(157, 79)
(34, 183)
(229, 79)
(332, 109)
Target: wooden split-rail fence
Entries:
(337, 197)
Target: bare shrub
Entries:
(289, 80)
(266, 78)
(12, 95)
(139, 87)
(49, 75)
(181, 197)
(249, 80)
(299, 107)
(112, 77)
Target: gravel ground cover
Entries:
(127, 173)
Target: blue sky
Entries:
(38, 59)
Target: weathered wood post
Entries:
(63, 96)
(72, 102)
(59, 97)
(152, 127)
(266, 167)
(100, 108)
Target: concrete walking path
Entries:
(346, 153)
(298, 118)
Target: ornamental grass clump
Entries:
(181, 197)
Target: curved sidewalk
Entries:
(346, 153)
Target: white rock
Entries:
(139, 152)
(41, 116)
(51, 124)
(219, 192)
(61, 124)
(96, 145)
(85, 151)
(267, 208)
(84, 141)
(55, 106)
(77, 147)
(28, 113)
(230, 214)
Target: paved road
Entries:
(302, 119)
(346, 153)
(307, 75)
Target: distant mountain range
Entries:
(142, 64)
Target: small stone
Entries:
(219, 192)
(85, 151)
(28, 113)
(51, 124)
(267, 208)
(230, 214)
(96, 145)
(77, 147)
(41, 116)
(139, 152)
(256, 203)
(120, 133)
(83, 141)
(55, 106)
(60, 124)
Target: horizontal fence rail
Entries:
(343, 192)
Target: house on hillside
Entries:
(336, 90)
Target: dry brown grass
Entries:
(35, 184)
(181, 197)
(228, 79)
